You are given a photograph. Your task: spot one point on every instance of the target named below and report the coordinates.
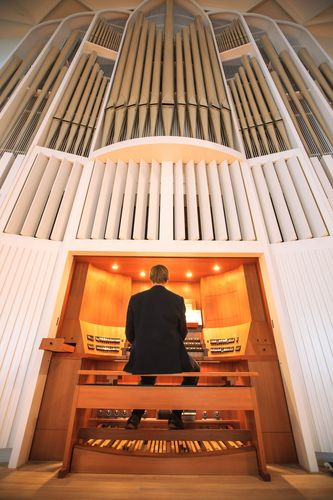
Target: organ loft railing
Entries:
(167, 83)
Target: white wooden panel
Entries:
(220, 228)
(231, 216)
(5, 161)
(9, 181)
(139, 229)
(204, 202)
(327, 162)
(295, 208)
(26, 196)
(154, 201)
(42, 194)
(323, 179)
(112, 225)
(280, 206)
(179, 201)
(310, 208)
(67, 202)
(102, 210)
(89, 209)
(191, 202)
(27, 274)
(166, 208)
(242, 204)
(307, 279)
(127, 215)
(51, 208)
(266, 205)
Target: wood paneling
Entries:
(105, 297)
(49, 438)
(188, 290)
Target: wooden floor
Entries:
(39, 480)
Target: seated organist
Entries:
(156, 328)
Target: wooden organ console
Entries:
(233, 419)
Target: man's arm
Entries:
(130, 331)
(183, 326)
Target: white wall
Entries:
(305, 272)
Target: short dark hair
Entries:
(159, 274)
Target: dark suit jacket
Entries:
(156, 327)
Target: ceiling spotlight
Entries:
(216, 267)
(115, 267)
(142, 274)
(189, 274)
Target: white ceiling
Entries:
(18, 16)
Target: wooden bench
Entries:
(91, 393)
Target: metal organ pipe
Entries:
(193, 101)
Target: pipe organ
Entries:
(163, 130)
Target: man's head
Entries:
(159, 275)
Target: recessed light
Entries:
(115, 267)
(142, 274)
(189, 274)
(216, 267)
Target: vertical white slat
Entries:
(154, 201)
(307, 200)
(233, 227)
(13, 281)
(42, 193)
(280, 206)
(127, 215)
(15, 316)
(102, 210)
(242, 204)
(179, 201)
(51, 208)
(220, 228)
(90, 204)
(191, 202)
(139, 229)
(323, 179)
(166, 207)
(5, 161)
(327, 162)
(66, 203)
(9, 180)
(26, 196)
(204, 202)
(271, 224)
(295, 208)
(112, 225)
(34, 310)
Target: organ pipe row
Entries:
(166, 201)
(45, 202)
(105, 35)
(13, 72)
(303, 110)
(187, 97)
(322, 74)
(287, 203)
(261, 124)
(231, 36)
(38, 96)
(75, 118)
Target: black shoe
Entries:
(133, 422)
(175, 423)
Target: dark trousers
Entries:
(146, 380)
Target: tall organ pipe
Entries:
(189, 79)
(180, 84)
(168, 70)
(316, 74)
(146, 79)
(155, 85)
(271, 53)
